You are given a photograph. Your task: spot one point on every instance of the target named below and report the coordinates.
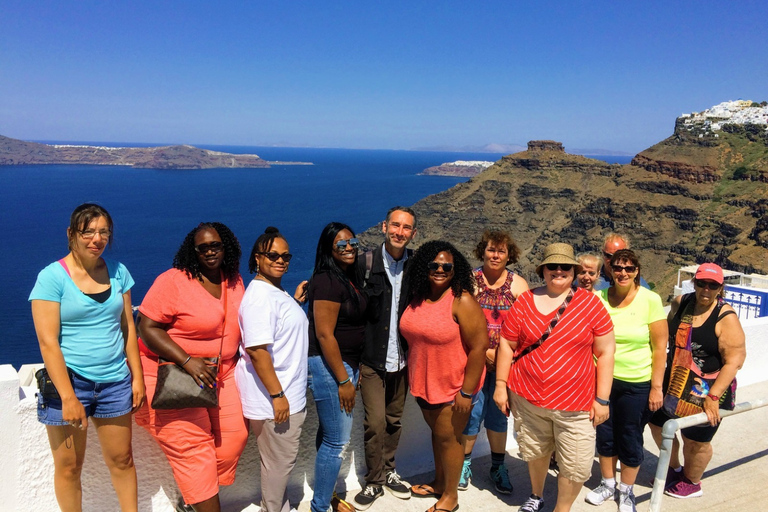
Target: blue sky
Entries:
(396, 74)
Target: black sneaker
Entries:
(397, 487)
(367, 496)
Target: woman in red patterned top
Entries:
(557, 394)
(497, 289)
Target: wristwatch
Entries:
(601, 401)
(281, 394)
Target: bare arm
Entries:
(474, 335)
(733, 350)
(326, 315)
(132, 352)
(674, 306)
(659, 337)
(519, 285)
(265, 369)
(46, 316)
(603, 349)
(504, 358)
(155, 337)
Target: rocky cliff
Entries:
(18, 152)
(673, 217)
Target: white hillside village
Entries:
(742, 112)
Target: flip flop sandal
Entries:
(435, 509)
(339, 505)
(424, 491)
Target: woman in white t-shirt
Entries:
(272, 374)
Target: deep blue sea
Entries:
(154, 209)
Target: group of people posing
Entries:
(582, 362)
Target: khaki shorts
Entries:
(543, 431)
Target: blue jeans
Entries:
(333, 432)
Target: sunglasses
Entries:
(274, 256)
(432, 266)
(607, 255)
(206, 248)
(341, 245)
(710, 285)
(629, 269)
(565, 267)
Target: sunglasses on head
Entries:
(274, 256)
(213, 246)
(629, 269)
(710, 285)
(432, 266)
(565, 267)
(341, 245)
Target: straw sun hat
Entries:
(559, 253)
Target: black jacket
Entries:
(379, 292)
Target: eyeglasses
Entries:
(432, 266)
(216, 247)
(341, 245)
(88, 234)
(629, 269)
(710, 285)
(274, 256)
(565, 267)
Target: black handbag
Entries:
(177, 389)
(45, 385)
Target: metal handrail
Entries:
(668, 434)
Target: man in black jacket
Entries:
(383, 375)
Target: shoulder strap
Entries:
(368, 264)
(726, 313)
(64, 265)
(548, 330)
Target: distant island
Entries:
(459, 168)
(19, 152)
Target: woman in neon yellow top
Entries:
(640, 326)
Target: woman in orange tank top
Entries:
(447, 340)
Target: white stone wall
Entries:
(26, 467)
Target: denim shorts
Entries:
(101, 400)
(486, 411)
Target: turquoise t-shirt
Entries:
(91, 339)
(633, 339)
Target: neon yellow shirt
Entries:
(633, 339)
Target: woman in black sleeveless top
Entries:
(717, 344)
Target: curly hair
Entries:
(417, 277)
(630, 256)
(186, 257)
(497, 238)
(263, 244)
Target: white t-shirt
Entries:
(270, 316)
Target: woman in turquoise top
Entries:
(81, 307)
(641, 334)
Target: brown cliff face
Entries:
(546, 196)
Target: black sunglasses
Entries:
(607, 255)
(629, 269)
(565, 267)
(432, 266)
(213, 246)
(341, 245)
(710, 285)
(274, 256)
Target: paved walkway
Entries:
(735, 480)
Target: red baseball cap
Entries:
(710, 271)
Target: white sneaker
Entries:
(627, 501)
(600, 494)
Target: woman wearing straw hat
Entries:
(555, 391)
